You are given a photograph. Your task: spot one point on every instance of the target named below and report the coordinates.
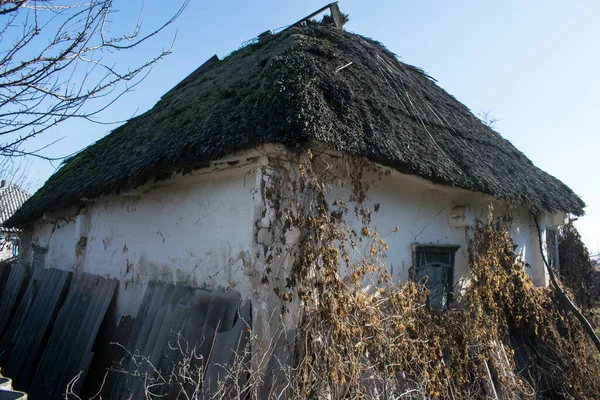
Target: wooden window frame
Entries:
(450, 250)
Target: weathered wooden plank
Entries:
(149, 335)
(15, 323)
(230, 344)
(11, 294)
(69, 348)
(173, 323)
(32, 326)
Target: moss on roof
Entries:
(291, 88)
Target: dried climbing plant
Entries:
(362, 335)
(577, 269)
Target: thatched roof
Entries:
(308, 83)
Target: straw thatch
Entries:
(308, 83)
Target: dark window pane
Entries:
(437, 265)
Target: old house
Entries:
(181, 194)
(11, 198)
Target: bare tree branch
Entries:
(54, 65)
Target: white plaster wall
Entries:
(6, 244)
(195, 230)
(421, 211)
(58, 236)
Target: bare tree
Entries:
(488, 119)
(54, 65)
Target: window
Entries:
(435, 266)
(552, 248)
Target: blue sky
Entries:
(532, 64)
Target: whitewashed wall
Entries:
(207, 230)
(423, 211)
(6, 244)
(195, 230)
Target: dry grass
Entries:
(355, 343)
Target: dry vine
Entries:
(358, 343)
(577, 268)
